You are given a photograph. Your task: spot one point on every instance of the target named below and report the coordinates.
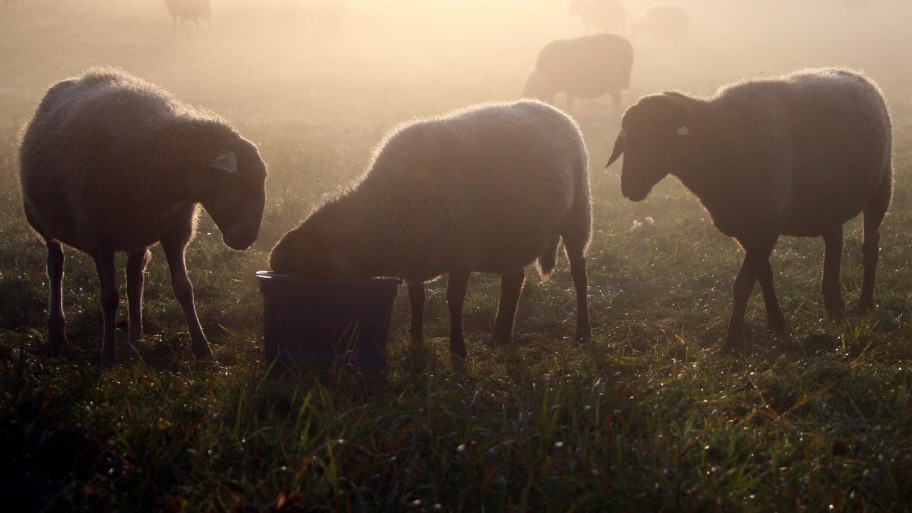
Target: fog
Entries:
(466, 49)
(344, 71)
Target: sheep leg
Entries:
(183, 291)
(56, 321)
(744, 285)
(616, 99)
(575, 246)
(832, 256)
(874, 213)
(775, 320)
(456, 292)
(416, 302)
(511, 285)
(110, 299)
(136, 265)
(581, 284)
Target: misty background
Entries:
(316, 83)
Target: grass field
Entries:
(646, 417)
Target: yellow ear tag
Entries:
(683, 131)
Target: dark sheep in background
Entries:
(662, 22)
(600, 15)
(112, 163)
(582, 67)
(490, 189)
(795, 155)
(193, 10)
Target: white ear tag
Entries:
(226, 161)
(683, 130)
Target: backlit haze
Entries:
(317, 82)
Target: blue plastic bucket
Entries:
(319, 323)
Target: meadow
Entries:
(645, 417)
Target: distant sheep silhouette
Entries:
(600, 15)
(582, 67)
(490, 189)
(112, 163)
(192, 10)
(794, 155)
(662, 22)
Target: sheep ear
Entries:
(618, 148)
(225, 160)
(683, 130)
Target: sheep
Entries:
(194, 10)
(796, 155)
(600, 15)
(583, 67)
(112, 163)
(661, 22)
(490, 188)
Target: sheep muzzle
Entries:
(239, 239)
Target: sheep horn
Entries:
(618, 148)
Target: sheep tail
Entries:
(548, 259)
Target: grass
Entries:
(646, 417)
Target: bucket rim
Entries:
(273, 276)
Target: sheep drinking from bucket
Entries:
(797, 155)
(112, 163)
(489, 189)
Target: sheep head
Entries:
(234, 193)
(311, 253)
(654, 136)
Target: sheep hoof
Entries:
(56, 346)
(202, 352)
(458, 349)
(836, 312)
(777, 327)
(499, 342)
(108, 361)
(866, 306)
(583, 329)
(732, 346)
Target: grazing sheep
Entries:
(600, 15)
(795, 155)
(661, 22)
(583, 67)
(489, 189)
(193, 10)
(112, 163)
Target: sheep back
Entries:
(193, 10)
(486, 189)
(583, 67)
(828, 148)
(110, 162)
